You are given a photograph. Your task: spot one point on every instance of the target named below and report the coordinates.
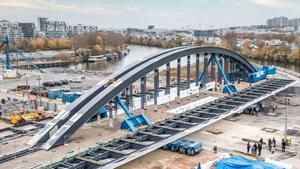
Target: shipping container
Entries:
(54, 93)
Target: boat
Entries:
(97, 58)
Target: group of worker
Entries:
(272, 145)
(256, 148)
(287, 101)
(254, 109)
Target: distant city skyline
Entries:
(196, 14)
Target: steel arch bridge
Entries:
(59, 129)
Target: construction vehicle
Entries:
(184, 147)
(110, 81)
(25, 115)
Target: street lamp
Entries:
(39, 94)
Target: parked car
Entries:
(75, 80)
(49, 84)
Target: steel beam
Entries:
(213, 67)
(226, 66)
(178, 77)
(168, 79)
(159, 138)
(156, 85)
(188, 70)
(79, 117)
(205, 77)
(231, 67)
(127, 97)
(143, 92)
(197, 68)
(131, 97)
(219, 71)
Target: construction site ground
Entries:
(87, 136)
(246, 126)
(230, 136)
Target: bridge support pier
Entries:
(226, 66)
(178, 79)
(168, 69)
(231, 71)
(213, 68)
(188, 70)
(130, 98)
(115, 115)
(197, 69)
(156, 87)
(143, 93)
(110, 115)
(204, 79)
(219, 72)
(127, 102)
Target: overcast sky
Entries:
(140, 13)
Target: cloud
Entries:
(283, 4)
(85, 8)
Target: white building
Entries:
(58, 29)
(13, 30)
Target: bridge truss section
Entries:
(123, 150)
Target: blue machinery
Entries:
(228, 87)
(133, 121)
(7, 62)
(261, 74)
(184, 147)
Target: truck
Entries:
(184, 147)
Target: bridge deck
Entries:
(121, 151)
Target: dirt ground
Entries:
(86, 136)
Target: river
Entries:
(139, 52)
(136, 53)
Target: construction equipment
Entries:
(7, 62)
(184, 147)
(262, 74)
(102, 113)
(133, 121)
(25, 115)
(228, 87)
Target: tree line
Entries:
(93, 42)
(155, 42)
(287, 51)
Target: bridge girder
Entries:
(93, 101)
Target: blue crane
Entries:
(228, 87)
(7, 62)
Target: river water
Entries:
(136, 53)
(139, 52)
